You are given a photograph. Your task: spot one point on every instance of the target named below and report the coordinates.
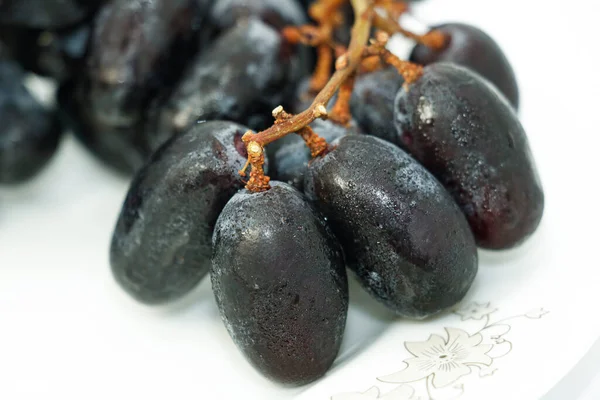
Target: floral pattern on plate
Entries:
(439, 364)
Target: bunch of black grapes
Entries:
(165, 89)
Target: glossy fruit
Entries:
(161, 246)
(137, 49)
(470, 138)
(243, 75)
(29, 134)
(279, 280)
(470, 47)
(50, 14)
(372, 103)
(224, 14)
(402, 233)
(123, 148)
(55, 54)
(291, 159)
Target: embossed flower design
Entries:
(475, 311)
(445, 360)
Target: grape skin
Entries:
(29, 134)
(279, 280)
(402, 234)
(372, 102)
(224, 14)
(56, 54)
(123, 148)
(470, 47)
(137, 50)
(241, 77)
(291, 159)
(46, 14)
(161, 245)
(455, 124)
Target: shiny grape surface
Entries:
(52, 14)
(372, 103)
(55, 54)
(29, 134)
(290, 161)
(402, 233)
(123, 148)
(243, 75)
(138, 48)
(224, 14)
(470, 138)
(279, 279)
(470, 47)
(161, 245)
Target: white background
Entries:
(68, 332)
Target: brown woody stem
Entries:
(322, 71)
(316, 144)
(340, 113)
(258, 181)
(360, 36)
(434, 39)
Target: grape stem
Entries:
(360, 36)
(347, 66)
(434, 39)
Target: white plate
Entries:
(67, 331)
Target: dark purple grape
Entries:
(470, 138)
(403, 235)
(279, 279)
(29, 134)
(124, 148)
(277, 13)
(137, 49)
(243, 75)
(372, 103)
(291, 159)
(55, 54)
(161, 246)
(46, 14)
(472, 48)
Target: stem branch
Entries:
(360, 35)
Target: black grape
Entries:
(402, 233)
(279, 279)
(372, 103)
(55, 54)
(243, 75)
(470, 138)
(124, 148)
(161, 246)
(291, 159)
(29, 134)
(224, 14)
(470, 47)
(138, 49)
(46, 14)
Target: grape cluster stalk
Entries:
(362, 51)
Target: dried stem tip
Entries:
(317, 145)
(258, 181)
